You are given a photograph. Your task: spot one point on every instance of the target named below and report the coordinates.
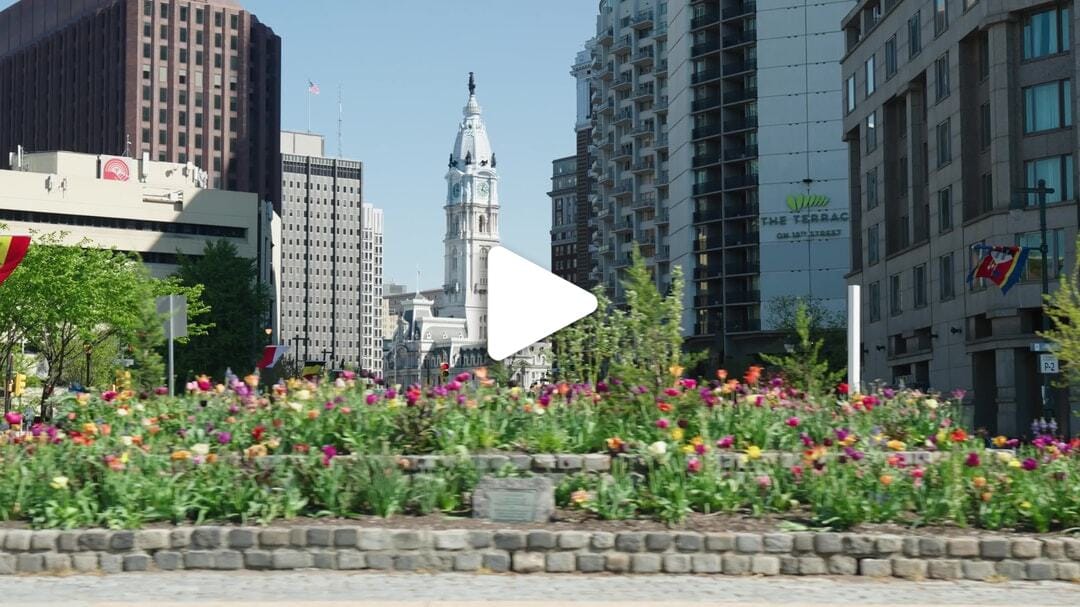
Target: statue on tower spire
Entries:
(472, 84)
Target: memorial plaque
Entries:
(514, 500)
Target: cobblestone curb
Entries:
(976, 557)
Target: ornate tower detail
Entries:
(472, 220)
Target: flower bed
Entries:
(122, 460)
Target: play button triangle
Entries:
(526, 303)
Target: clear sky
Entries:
(403, 67)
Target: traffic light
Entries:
(444, 370)
(20, 384)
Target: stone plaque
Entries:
(514, 500)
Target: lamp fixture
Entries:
(880, 348)
(955, 330)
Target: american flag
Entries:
(312, 88)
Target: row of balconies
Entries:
(713, 243)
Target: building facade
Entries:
(331, 255)
(182, 80)
(952, 108)
(452, 328)
(715, 128)
(155, 209)
(564, 220)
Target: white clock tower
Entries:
(472, 221)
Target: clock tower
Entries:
(472, 221)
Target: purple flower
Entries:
(888, 393)
(972, 460)
(726, 442)
(601, 387)
(463, 377)
(329, 452)
(453, 385)
(390, 394)
(793, 421)
(689, 384)
(662, 423)
(853, 453)
(224, 437)
(461, 399)
(329, 405)
(371, 399)
(671, 392)
(841, 434)
(1030, 464)
(545, 400)
(233, 409)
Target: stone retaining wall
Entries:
(325, 547)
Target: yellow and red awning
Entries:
(12, 251)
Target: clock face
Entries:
(483, 190)
(457, 191)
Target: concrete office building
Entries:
(183, 80)
(716, 125)
(952, 107)
(154, 209)
(331, 258)
(564, 220)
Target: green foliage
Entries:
(825, 324)
(238, 308)
(1063, 308)
(804, 365)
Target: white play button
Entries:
(526, 303)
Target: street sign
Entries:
(1044, 346)
(174, 310)
(1048, 364)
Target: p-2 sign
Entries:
(1048, 364)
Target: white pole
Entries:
(172, 377)
(854, 338)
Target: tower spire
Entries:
(472, 84)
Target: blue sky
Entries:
(403, 68)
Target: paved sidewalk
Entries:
(336, 588)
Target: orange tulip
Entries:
(886, 479)
(721, 374)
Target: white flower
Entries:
(122, 411)
(59, 482)
(138, 407)
(126, 440)
(303, 394)
(200, 449)
(339, 383)
(295, 406)
(658, 449)
(931, 404)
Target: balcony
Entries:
(744, 153)
(608, 178)
(662, 217)
(740, 209)
(704, 20)
(744, 325)
(663, 253)
(605, 37)
(661, 104)
(739, 67)
(624, 153)
(743, 297)
(740, 124)
(644, 203)
(707, 244)
(744, 37)
(740, 181)
(626, 115)
(609, 73)
(708, 187)
(645, 165)
(704, 48)
(735, 240)
(624, 188)
(707, 216)
(622, 45)
(645, 237)
(644, 92)
(707, 75)
(661, 66)
(701, 160)
(624, 82)
(644, 56)
(708, 300)
(707, 272)
(624, 225)
(743, 10)
(662, 178)
(739, 96)
(660, 31)
(642, 20)
(711, 130)
(742, 267)
(622, 260)
(644, 128)
(662, 141)
(706, 103)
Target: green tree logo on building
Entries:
(803, 202)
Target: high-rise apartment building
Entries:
(952, 109)
(716, 126)
(564, 220)
(331, 258)
(187, 81)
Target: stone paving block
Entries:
(180, 538)
(813, 565)
(677, 563)
(273, 538)
(1068, 572)
(497, 561)
(382, 561)
(596, 462)
(122, 541)
(841, 564)
(875, 567)
(480, 539)
(228, 560)
(467, 561)
(29, 563)
(590, 563)
(978, 570)
(407, 562)
(963, 546)
(646, 563)
(57, 562)
(736, 564)
(206, 537)
(199, 559)
(573, 540)
(373, 539)
(1072, 549)
(298, 537)
(1041, 570)
(560, 562)
(602, 540)
(994, 548)
(909, 569)
(451, 540)
(110, 563)
(136, 562)
(748, 543)
(789, 564)
(828, 543)
(569, 462)
(1012, 569)
(541, 540)
(290, 559)
(1024, 548)
(320, 536)
(1053, 549)
(43, 540)
(351, 559)
(18, 540)
(345, 537)
(706, 563)
(88, 540)
(720, 542)
(932, 547)
(804, 541)
(778, 542)
(886, 545)
(152, 539)
(167, 560)
(68, 541)
(945, 569)
(658, 542)
(510, 540)
(630, 542)
(256, 559)
(83, 562)
(859, 545)
(617, 562)
(689, 542)
(765, 565)
(911, 546)
(241, 538)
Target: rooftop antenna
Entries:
(339, 121)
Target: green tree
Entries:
(824, 324)
(1063, 308)
(238, 307)
(803, 366)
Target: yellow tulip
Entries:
(753, 452)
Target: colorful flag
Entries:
(271, 356)
(312, 88)
(1003, 266)
(12, 251)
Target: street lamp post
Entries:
(89, 351)
(1040, 190)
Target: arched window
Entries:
(482, 222)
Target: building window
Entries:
(1057, 171)
(944, 197)
(147, 51)
(986, 192)
(871, 132)
(163, 138)
(873, 245)
(902, 175)
(146, 93)
(984, 57)
(163, 115)
(890, 57)
(946, 278)
(914, 28)
(164, 10)
(985, 126)
(871, 188)
(1048, 106)
(874, 301)
(944, 143)
(851, 94)
(918, 277)
(1047, 33)
(869, 72)
(895, 301)
(941, 77)
(1055, 244)
(941, 16)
